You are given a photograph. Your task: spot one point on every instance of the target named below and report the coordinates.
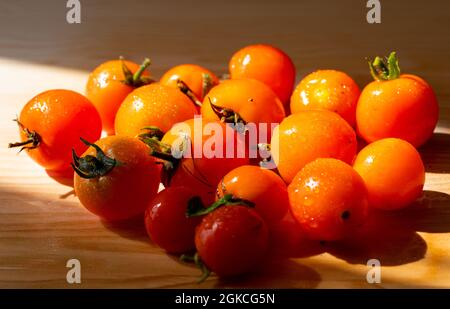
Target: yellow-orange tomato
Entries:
(126, 187)
(193, 75)
(303, 137)
(394, 105)
(327, 89)
(393, 172)
(328, 199)
(260, 186)
(267, 64)
(153, 105)
(107, 88)
(253, 102)
(51, 125)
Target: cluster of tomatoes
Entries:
(226, 214)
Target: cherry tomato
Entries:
(110, 83)
(232, 240)
(205, 155)
(327, 89)
(153, 105)
(116, 178)
(393, 172)
(244, 101)
(267, 64)
(303, 137)
(402, 106)
(329, 199)
(260, 186)
(197, 78)
(166, 221)
(52, 123)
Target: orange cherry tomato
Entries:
(232, 240)
(153, 105)
(249, 100)
(116, 178)
(166, 221)
(393, 172)
(197, 78)
(203, 159)
(260, 186)
(51, 125)
(267, 64)
(327, 89)
(108, 86)
(303, 137)
(329, 199)
(394, 105)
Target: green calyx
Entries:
(184, 88)
(93, 166)
(383, 69)
(196, 207)
(227, 115)
(136, 79)
(33, 139)
(195, 258)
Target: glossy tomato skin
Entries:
(60, 118)
(267, 64)
(192, 75)
(127, 189)
(305, 136)
(260, 186)
(166, 221)
(327, 89)
(232, 240)
(153, 105)
(200, 169)
(405, 108)
(393, 172)
(328, 199)
(106, 89)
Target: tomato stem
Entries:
(196, 209)
(187, 91)
(92, 167)
(207, 84)
(227, 115)
(136, 80)
(33, 139)
(383, 69)
(206, 272)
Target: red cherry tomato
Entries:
(166, 221)
(232, 240)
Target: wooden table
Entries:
(42, 225)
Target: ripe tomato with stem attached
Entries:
(244, 101)
(263, 187)
(267, 64)
(153, 105)
(110, 83)
(116, 178)
(167, 223)
(232, 240)
(52, 123)
(303, 137)
(197, 154)
(198, 80)
(393, 172)
(328, 199)
(327, 89)
(401, 106)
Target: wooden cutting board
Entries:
(42, 225)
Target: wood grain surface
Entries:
(42, 225)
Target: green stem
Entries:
(142, 68)
(196, 209)
(187, 91)
(33, 139)
(206, 272)
(383, 69)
